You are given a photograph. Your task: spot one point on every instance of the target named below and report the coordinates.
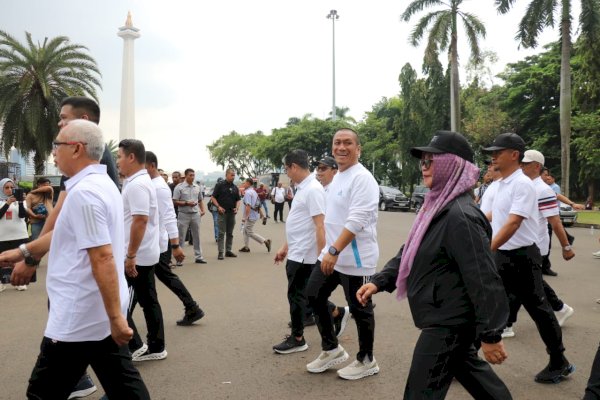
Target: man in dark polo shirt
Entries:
(226, 196)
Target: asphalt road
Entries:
(228, 354)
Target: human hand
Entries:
(568, 254)
(130, 269)
(280, 255)
(328, 263)
(120, 330)
(202, 212)
(578, 206)
(364, 293)
(221, 210)
(21, 274)
(11, 200)
(9, 257)
(178, 254)
(494, 353)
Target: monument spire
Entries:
(127, 120)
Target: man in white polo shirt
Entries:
(515, 225)
(142, 248)
(85, 280)
(348, 258)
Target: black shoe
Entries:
(221, 256)
(191, 315)
(283, 221)
(201, 261)
(84, 387)
(549, 272)
(548, 375)
(268, 244)
(265, 221)
(570, 238)
(230, 254)
(290, 345)
(243, 250)
(340, 322)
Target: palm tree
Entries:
(443, 34)
(113, 147)
(541, 14)
(341, 113)
(34, 78)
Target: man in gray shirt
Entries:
(187, 196)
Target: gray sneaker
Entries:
(328, 359)
(359, 369)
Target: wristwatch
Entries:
(29, 260)
(333, 251)
(175, 246)
(567, 248)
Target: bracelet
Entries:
(175, 246)
(129, 257)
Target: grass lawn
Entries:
(588, 217)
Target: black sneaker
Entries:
(290, 345)
(548, 375)
(230, 254)
(268, 244)
(201, 261)
(549, 272)
(340, 322)
(84, 387)
(264, 220)
(191, 315)
(244, 250)
(221, 256)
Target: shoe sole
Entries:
(332, 363)
(292, 350)
(508, 335)
(565, 317)
(152, 357)
(344, 323)
(82, 393)
(369, 372)
(139, 351)
(559, 378)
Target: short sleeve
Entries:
(524, 200)
(139, 200)
(316, 202)
(88, 216)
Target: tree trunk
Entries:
(454, 82)
(39, 163)
(565, 96)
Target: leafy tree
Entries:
(443, 35)
(541, 14)
(241, 152)
(113, 147)
(342, 114)
(34, 78)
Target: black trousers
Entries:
(318, 291)
(60, 365)
(442, 354)
(143, 290)
(555, 302)
(297, 275)
(166, 275)
(226, 226)
(592, 390)
(521, 274)
(278, 209)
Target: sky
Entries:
(204, 69)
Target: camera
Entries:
(18, 193)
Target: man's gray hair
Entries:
(81, 130)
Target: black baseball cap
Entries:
(446, 142)
(507, 141)
(329, 161)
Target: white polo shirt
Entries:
(91, 216)
(352, 202)
(139, 198)
(300, 231)
(547, 207)
(516, 195)
(167, 221)
(488, 198)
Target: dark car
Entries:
(418, 197)
(392, 198)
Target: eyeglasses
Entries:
(323, 168)
(426, 163)
(55, 144)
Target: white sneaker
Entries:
(21, 288)
(508, 332)
(147, 356)
(140, 351)
(328, 359)
(359, 369)
(564, 314)
(596, 254)
(2, 287)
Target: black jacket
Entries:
(454, 281)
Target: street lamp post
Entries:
(333, 15)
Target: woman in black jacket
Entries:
(447, 272)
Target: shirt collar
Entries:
(139, 173)
(89, 170)
(518, 172)
(305, 182)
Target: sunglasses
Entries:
(323, 168)
(426, 163)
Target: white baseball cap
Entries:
(533, 155)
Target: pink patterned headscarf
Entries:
(452, 176)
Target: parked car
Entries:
(392, 198)
(568, 216)
(418, 197)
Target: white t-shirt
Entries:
(516, 195)
(11, 226)
(251, 199)
(167, 221)
(485, 204)
(91, 216)
(139, 198)
(278, 194)
(547, 207)
(351, 202)
(300, 227)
